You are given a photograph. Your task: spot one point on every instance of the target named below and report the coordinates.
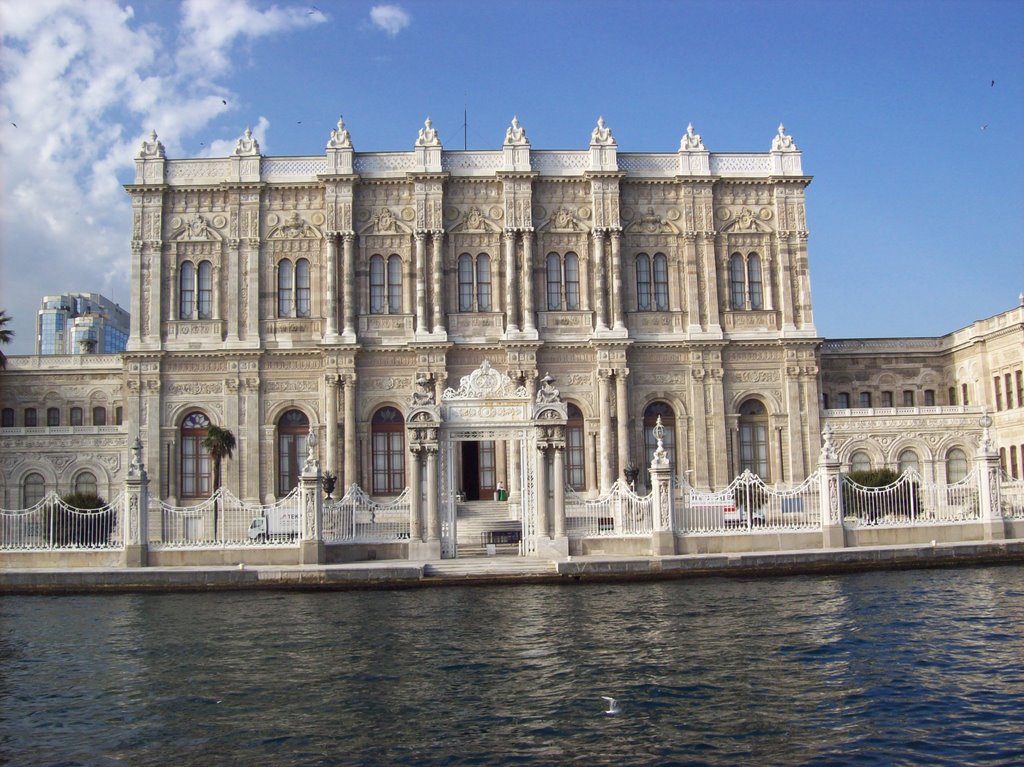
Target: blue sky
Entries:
(915, 213)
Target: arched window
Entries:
(186, 291)
(575, 474)
(737, 289)
(33, 488)
(394, 284)
(76, 416)
(563, 278)
(195, 461)
(956, 465)
(85, 482)
(668, 420)
(303, 293)
(205, 290)
(753, 424)
(292, 433)
(285, 285)
(860, 461)
(99, 416)
(643, 283)
(377, 305)
(8, 418)
(660, 282)
(388, 432)
(465, 283)
(908, 460)
(53, 416)
(30, 417)
(754, 281)
(554, 282)
(483, 283)
(572, 282)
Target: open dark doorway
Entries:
(479, 478)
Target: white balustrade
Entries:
(53, 524)
(224, 520)
(357, 518)
(619, 513)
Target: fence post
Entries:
(830, 494)
(989, 491)
(663, 539)
(311, 507)
(136, 510)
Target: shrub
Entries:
(83, 527)
(869, 507)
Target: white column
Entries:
(512, 286)
(437, 271)
(528, 285)
(559, 480)
(421, 282)
(433, 521)
(332, 423)
(416, 497)
(616, 240)
(331, 328)
(600, 290)
(622, 418)
(604, 402)
(542, 491)
(349, 284)
(351, 455)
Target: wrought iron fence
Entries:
(620, 512)
(909, 501)
(225, 520)
(357, 518)
(1012, 494)
(53, 524)
(748, 504)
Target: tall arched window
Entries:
(394, 284)
(377, 303)
(572, 282)
(643, 283)
(660, 282)
(285, 285)
(668, 420)
(99, 416)
(195, 461)
(465, 283)
(388, 433)
(554, 282)
(575, 461)
(483, 283)
(53, 416)
(205, 290)
(860, 461)
(737, 288)
(754, 281)
(85, 482)
(753, 424)
(33, 488)
(292, 433)
(186, 291)
(908, 460)
(563, 279)
(956, 465)
(303, 293)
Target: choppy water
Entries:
(906, 668)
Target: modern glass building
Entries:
(81, 323)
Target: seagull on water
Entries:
(613, 705)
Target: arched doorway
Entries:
(292, 433)
(753, 433)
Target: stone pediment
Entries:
(196, 229)
(385, 222)
(293, 228)
(475, 222)
(651, 223)
(562, 220)
(486, 383)
(747, 222)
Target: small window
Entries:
(53, 416)
(285, 285)
(908, 398)
(394, 284)
(76, 416)
(303, 291)
(30, 417)
(963, 393)
(8, 418)
(929, 397)
(1020, 389)
(736, 286)
(33, 488)
(956, 465)
(118, 416)
(186, 291)
(85, 483)
(483, 283)
(660, 282)
(909, 460)
(887, 399)
(99, 416)
(860, 461)
(843, 400)
(377, 304)
(205, 290)
(1008, 381)
(999, 393)
(824, 400)
(952, 395)
(865, 399)
(754, 281)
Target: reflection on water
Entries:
(880, 668)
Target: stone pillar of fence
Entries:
(311, 507)
(423, 422)
(136, 510)
(990, 500)
(830, 493)
(549, 417)
(663, 537)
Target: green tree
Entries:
(6, 335)
(219, 443)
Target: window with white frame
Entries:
(651, 282)
(563, 282)
(746, 290)
(474, 283)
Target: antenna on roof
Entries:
(465, 129)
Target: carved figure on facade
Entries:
(428, 135)
(424, 394)
(312, 465)
(782, 142)
(247, 145)
(340, 138)
(547, 393)
(293, 227)
(151, 149)
(486, 383)
(828, 449)
(385, 221)
(516, 134)
(691, 142)
(601, 134)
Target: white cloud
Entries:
(84, 82)
(392, 19)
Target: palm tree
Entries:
(218, 443)
(5, 336)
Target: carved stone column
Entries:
(617, 318)
(331, 310)
(559, 479)
(543, 530)
(692, 305)
(416, 494)
(136, 510)
(663, 539)
(622, 418)
(332, 422)
(528, 283)
(512, 284)
(604, 403)
(989, 489)
(252, 309)
(351, 455)
(349, 285)
(600, 289)
(710, 277)
(421, 282)
(433, 520)
(830, 494)
(437, 270)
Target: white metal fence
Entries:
(909, 501)
(620, 512)
(1012, 494)
(748, 504)
(357, 518)
(53, 524)
(225, 520)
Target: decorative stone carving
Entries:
(428, 135)
(247, 146)
(782, 142)
(486, 383)
(152, 149)
(548, 394)
(340, 138)
(294, 227)
(516, 135)
(601, 135)
(691, 142)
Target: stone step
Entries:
(489, 566)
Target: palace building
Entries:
(341, 290)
